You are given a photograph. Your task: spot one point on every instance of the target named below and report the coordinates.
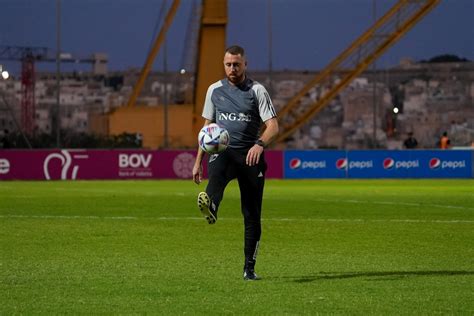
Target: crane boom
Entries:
(352, 62)
(151, 57)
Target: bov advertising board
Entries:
(85, 164)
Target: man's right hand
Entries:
(197, 173)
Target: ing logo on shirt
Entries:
(235, 117)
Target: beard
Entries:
(236, 79)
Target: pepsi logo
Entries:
(361, 164)
(388, 163)
(435, 163)
(341, 163)
(295, 163)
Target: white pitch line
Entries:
(358, 220)
(69, 217)
(397, 203)
(164, 218)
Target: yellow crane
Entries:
(352, 62)
(184, 120)
(154, 51)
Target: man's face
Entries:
(235, 66)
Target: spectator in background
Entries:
(4, 141)
(410, 142)
(444, 142)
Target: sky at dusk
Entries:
(306, 34)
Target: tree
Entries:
(446, 58)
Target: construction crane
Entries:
(211, 43)
(150, 120)
(351, 62)
(154, 51)
(28, 56)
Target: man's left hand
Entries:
(253, 156)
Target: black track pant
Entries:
(229, 165)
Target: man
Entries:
(5, 142)
(444, 142)
(410, 142)
(240, 105)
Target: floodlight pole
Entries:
(165, 95)
(374, 83)
(270, 44)
(58, 73)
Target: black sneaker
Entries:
(250, 275)
(204, 204)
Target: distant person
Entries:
(410, 142)
(5, 142)
(444, 142)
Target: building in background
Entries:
(431, 97)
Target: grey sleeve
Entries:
(265, 105)
(209, 109)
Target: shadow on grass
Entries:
(376, 276)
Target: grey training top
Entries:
(240, 109)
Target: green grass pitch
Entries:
(328, 247)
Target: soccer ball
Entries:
(213, 139)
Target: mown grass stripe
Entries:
(165, 218)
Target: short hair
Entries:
(235, 50)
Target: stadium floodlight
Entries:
(5, 75)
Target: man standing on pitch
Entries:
(240, 105)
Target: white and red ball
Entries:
(213, 139)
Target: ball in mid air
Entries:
(213, 139)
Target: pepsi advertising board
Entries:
(381, 164)
(444, 164)
(300, 164)
(367, 164)
(409, 164)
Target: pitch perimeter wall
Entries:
(82, 164)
